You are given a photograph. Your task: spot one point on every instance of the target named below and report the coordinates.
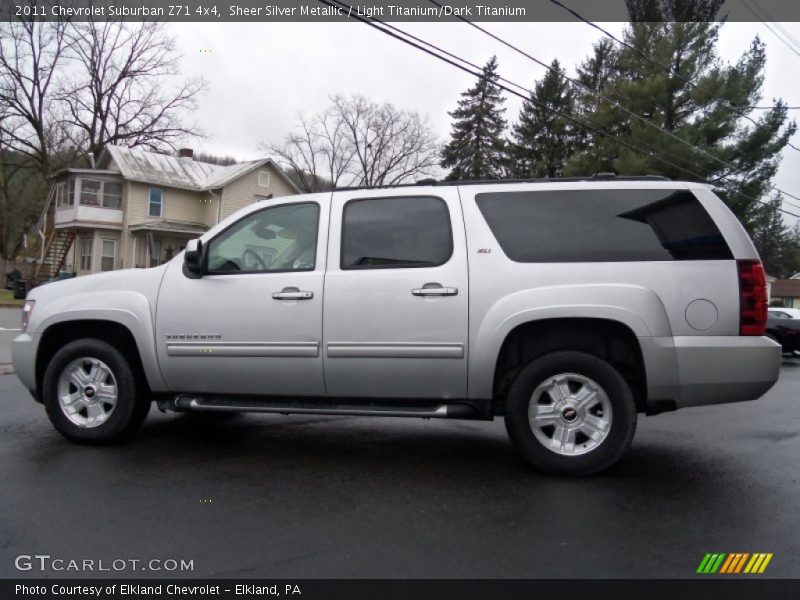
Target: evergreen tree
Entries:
(477, 148)
(778, 246)
(594, 74)
(543, 140)
(670, 74)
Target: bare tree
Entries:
(215, 159)
(358, 142)
(317, 154)
(30, 53)
(22, 189)
(390, 145)
(68, 89)
(33, 142)
(122, 94)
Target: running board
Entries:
(209, 403)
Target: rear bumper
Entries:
(23, 356)
(710, 369)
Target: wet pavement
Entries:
(304, 496)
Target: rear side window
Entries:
(602, 226)
(394, 233)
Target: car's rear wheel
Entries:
(570, 412)
(90, 393)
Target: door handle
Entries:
(292, 293)
(434, 289)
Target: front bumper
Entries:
(23, 357)
(700, 370)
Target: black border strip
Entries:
(220, 11)
(706, 587)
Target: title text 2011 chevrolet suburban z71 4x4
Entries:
(567, 307)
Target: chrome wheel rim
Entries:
(87, 392)
(570, 414)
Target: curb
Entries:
(7, 369)
(9, 305)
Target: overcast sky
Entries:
(262, 74)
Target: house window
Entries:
(94, 192)
(90, 192)
(156, 203)
(64, 194)
(112, 195)
(61, 194)
(155, 256)
(86, 254)
(108, 255)
(263, 178)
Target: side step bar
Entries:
(191, 403)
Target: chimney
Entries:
(186, 153)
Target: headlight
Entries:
(26, 314)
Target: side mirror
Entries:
(193, 258)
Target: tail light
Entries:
(752, 297)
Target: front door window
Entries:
(276, 239)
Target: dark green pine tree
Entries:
(477, 148)
(670, 74)
(543, 140)
(778, 246)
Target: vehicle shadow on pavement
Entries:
(327, 444)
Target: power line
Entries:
(614, 103)
(775, 22)
(503, 79)
(666, 68)
(771, 107)
(372, 22)
(786, 38)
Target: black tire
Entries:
(130, 409)
(597, 458)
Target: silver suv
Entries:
(566, 307)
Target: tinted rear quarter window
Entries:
(396, 232)
(602, 226)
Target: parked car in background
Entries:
(790, 313)
(784, 328)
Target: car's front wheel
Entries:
(90, 393)
(571, 413)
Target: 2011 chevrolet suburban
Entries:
(566, 307)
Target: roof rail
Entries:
(444, 183)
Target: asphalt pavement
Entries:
(274, 496)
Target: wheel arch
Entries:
(608, 339)
(112, 331)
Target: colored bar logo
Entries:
(735, 562)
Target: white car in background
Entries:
(785, 313)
